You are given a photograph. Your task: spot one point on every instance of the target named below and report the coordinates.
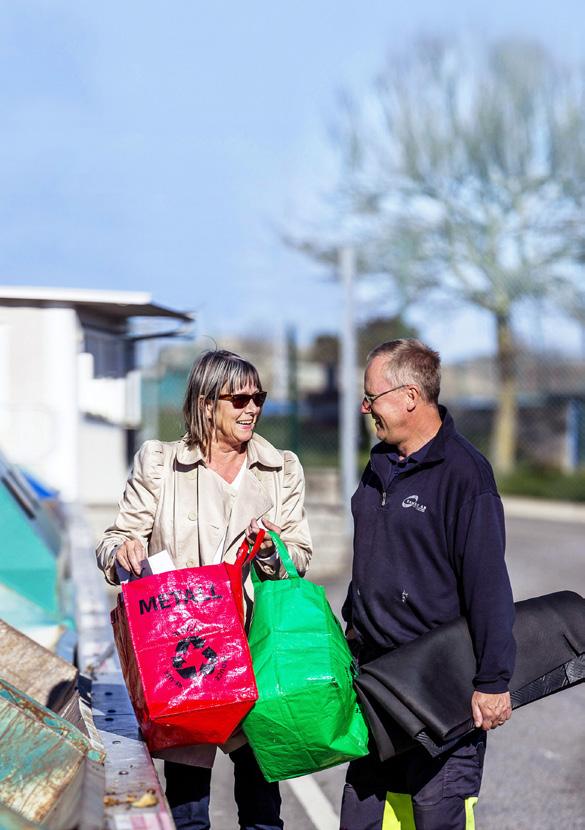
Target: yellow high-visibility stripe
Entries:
(398, 814)
(469, 814)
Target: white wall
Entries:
(102, 462)
(116, 400)
(39, 420)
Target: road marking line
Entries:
(314, 802)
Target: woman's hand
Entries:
(267, 547)
(130, 556)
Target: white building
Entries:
(70, 387)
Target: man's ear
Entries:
(412, 398)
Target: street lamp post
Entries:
(349, 407)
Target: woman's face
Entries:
(235, 426)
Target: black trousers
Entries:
(414, 791)
(188, 790)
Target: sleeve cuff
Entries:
(110, 571)
(271, 559)
(491, 687)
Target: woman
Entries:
(197, 498)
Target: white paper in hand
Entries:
(159, 563)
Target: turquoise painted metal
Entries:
(42, 760)
(29, 555)
(42, 518)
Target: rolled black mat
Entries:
(421, 692)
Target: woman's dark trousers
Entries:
(188, 790)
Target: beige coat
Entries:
(171, 502)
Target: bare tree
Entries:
(463, 177)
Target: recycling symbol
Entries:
(182, 653)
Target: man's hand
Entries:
(490, 711)
(130, 555)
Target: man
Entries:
(429, 547)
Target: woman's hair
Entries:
(213, 373)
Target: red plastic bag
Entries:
(184, 652)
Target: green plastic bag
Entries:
(306, 717)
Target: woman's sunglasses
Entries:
(239, 401)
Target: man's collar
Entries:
(436, 451)
(436, 447)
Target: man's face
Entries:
(388, 411)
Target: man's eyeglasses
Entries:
(241, 400)
(368, 400)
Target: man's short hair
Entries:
(410, 361)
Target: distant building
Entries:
(539, 375)
(69, 385)
(551, 405)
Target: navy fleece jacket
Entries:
(428, 547)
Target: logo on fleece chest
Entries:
(412, 501)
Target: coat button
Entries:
(192, 516)
(192, 474)
(190, 563)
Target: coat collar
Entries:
(263, 454)
(260, 453)
(436, 449)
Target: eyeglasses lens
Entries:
(240, 401)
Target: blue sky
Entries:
(157, 147)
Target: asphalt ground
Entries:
(534, 776)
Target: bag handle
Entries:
(285, 558)
(246, 553)
(284, 555)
